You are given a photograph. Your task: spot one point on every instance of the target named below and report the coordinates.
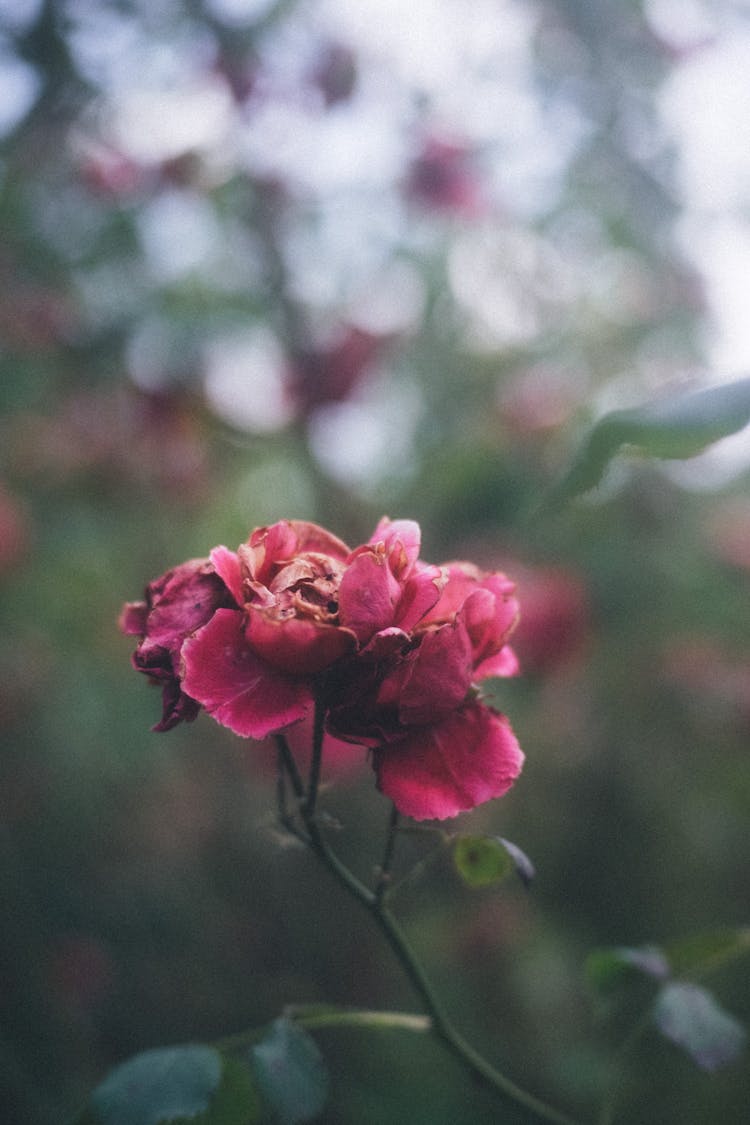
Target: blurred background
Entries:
(264, 259)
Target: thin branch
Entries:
(317, 758)
(289, 764)
(384, 871)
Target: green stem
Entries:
(308, 809)
(452, 1038)
(286, 759)
(384, 871)
(607, 1111)
(319, 1017)
(314, 1017)
(441, 1024)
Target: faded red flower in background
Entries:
(556, 618)
(392, 648)
(335, 74)
(318, 376)
(15, 530)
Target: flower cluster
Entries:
(390, 647)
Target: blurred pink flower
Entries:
(391, 647)
(555, 621)
(442, 177)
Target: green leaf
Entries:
(610, 969)
(704, 952)
(689, 1016)
(481, 860)
(291, 1072)
(676, 427)
(163, 1085)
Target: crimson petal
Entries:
(234, 685)
(441, 770)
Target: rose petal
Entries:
(234, 685)
(312, 537)
(227, 566)
(420, 593)
(439, 675)
(504, 663)
(280, 542)
(298, 645)
(132, 620)
(367, 595)
(177, 707)
(451, 767)
(462, 580)
(179, 602)
(491, 614)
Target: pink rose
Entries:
(392, 648)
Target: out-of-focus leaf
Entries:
(481, 860)
(610, 969)
(703, 952)
(676, 428)
(236, 1102)
(291, 1073)
(158, 1086)
(689, 1016)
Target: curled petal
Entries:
(439, 771)
(462, 579)
(401, 540)
(490, 614)
(235, 685)
(178, 602)
(279, 543)
(420, 593)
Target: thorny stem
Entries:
(374, 903)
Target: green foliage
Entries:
(676, 427)
(702, 953)
(291, 1073)
(690, 1016)
(609, 970)
(155, 1087)
(682, 1011)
